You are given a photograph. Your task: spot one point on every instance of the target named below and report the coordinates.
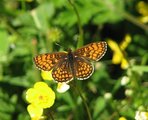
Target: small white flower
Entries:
(108, 96)
(62, 87)
(141, 115)
(128, 92)
(125, 80)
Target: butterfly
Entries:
(66, 66)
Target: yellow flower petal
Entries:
(33, 94)
(125, 42)
(35, 112)
(122, 118)
(144, 19)
(62, 87)
(46, 75)
(117, 58)
(117, 54)
(124, 64)
(41, 95)
(142, 8)
(40, 85)
(113, 45)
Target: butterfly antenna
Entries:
(59, 45)
(67, 49)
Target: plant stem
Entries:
(135, 21)
(34, 53)
(80, 41)
(23, 5)
(77, 89)
(51, 116)
(85, 104)
(49, 44)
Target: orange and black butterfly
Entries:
(77, 64)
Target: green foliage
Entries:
(98, 12)
(29, 28)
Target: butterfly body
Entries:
(71, 59)
(77, 64)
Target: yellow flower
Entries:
(141, 115)
(142, 8)
(122, 118)
(41, 95)
(46, 75)
(62, 87)
(35, 112)
(118, 56)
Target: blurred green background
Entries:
(32, 27)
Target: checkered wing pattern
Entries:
(62, 72)
(47, 61)
(83, 69)
(93, 51)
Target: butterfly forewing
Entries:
(93, 51)
(83, 68)
(47, 61)
(62, 72)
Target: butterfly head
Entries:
(69, 50)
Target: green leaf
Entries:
(4, 43)
(140, 68)
(24, 116)
(8, 105)
(44, 13)
(59, 3)
(66, 18)
(23, 19)
(109, 11)
(68, 99)
(98, 106)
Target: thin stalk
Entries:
(34, 53)
(23, 5)
(51, 116)
(47, 114)
(80, 41)
(49, 43)
(135, 21)
(77, 89)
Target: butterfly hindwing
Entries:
(62, 72)
(83, 68)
